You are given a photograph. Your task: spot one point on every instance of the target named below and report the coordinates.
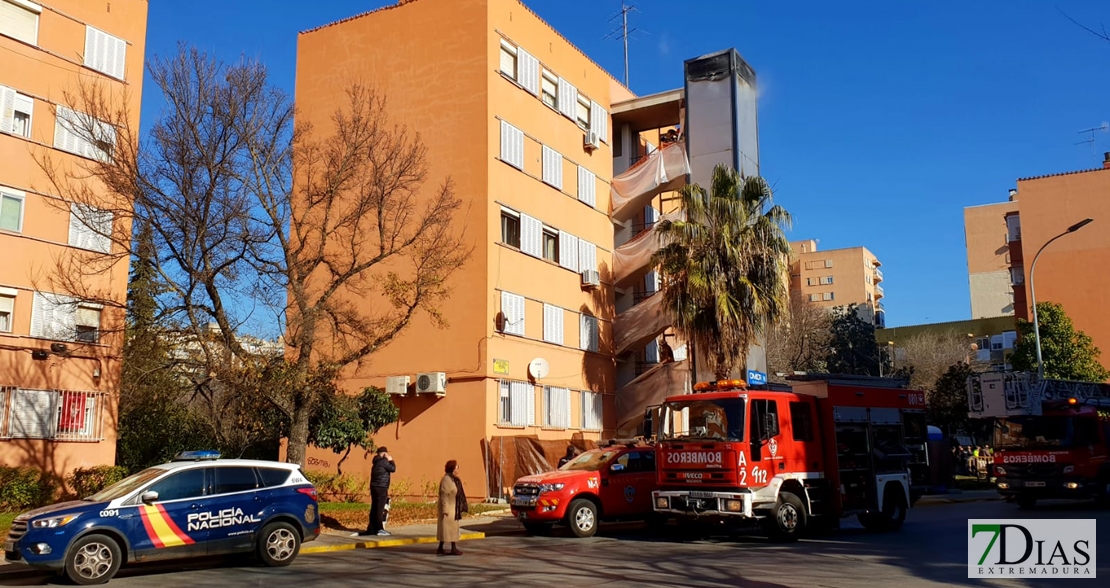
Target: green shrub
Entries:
(24, 488)
(345, 488)
(89, 481)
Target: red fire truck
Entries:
(1051, 437)
(793, 457)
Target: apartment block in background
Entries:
(839, 277)
(59, 355)
(989, 341)
(988, 232)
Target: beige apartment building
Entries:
(59, 353)
(839, 277)
(987, 236)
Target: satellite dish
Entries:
(539, 368)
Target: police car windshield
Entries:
(126, 485)
(591, 461)
(721, 419)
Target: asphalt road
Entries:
(930, 550)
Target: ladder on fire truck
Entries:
(1001, 394)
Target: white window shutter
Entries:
(599, 121)
(568, 251)
(512, 313)
(522, 410)
(528, 68)
(552, 167)
(105, 53)
(53, 317)
(512, 145)
(588, 333)
(20, 21)
(7, 109)
(587, 186)
(33, 414)
(568, 99)
(587, 256)
(566, 409)
(553, 324)
(531, 235)
(65, 137)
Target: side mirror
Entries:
(149, 497)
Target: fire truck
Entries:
(790, 457)
(1051, 437)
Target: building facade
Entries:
(839, 277)
(59, 354)
(556, 333)
(987, 237)
(990, 340)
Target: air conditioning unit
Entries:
(591, 140)
(397, 384)
(432, 383)
(591, 278)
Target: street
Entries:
(928, 551)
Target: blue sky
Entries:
(879, 121)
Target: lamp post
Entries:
(1033, 291)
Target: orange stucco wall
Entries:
(1069, 272)
(46, 72)
(852, 282)
(438, 63)
(988, 259)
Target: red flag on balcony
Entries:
(73, 412)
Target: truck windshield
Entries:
(1028, 432)
(591, 461)
(721, 419)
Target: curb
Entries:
(384, 543)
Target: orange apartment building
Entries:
(59, 357)
(987, 238)
(556, 336)
(1069, 271)
(839, 277)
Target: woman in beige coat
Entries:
(451, 507)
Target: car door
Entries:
(166, 526)
(235, 509)
(623, 486)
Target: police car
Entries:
(196, 505)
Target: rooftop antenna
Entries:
(622, 32)
(1104, 127)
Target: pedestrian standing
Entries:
(571, 453)
(380, 471)
(451, 507)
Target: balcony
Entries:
(879, 292)
(878, 275)
(664, 170)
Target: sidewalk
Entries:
(475, 528)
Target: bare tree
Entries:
(265, 227)
(931, 353)
(801, 342)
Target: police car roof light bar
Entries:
(197, 455)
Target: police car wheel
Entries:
(582, 518)
(93, 559)
(278, 544)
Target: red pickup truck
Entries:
(610, 483)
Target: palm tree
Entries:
(725, 268)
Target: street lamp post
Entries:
(1033, 291)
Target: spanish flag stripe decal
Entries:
(159, 528)
(173, 526)
(150, 529)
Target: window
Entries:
(814, 297)
(599, 121)
(827, 280)
(179, 486)
(518, 403)
(80, 134)
(587, 256)
(568, 251)
(273, 476)
(587, 186)
(591, 411)
(105, 53)
(512, 311)
(32, 414)
(508, 60)
(828, 263)
(552, 167)
(512, 145)
(87, 323)
(583, 113)
(551, 244)
(827, 296)
(549, 90)
(553, 324)
(568, 99)
(556, 407)
(90, 228)
(77, 417)
(15, 111)
(759, 421)
(588, 333)
(7, 310)
(234, 479)
(629, 463)
(510, 228)
(62, 318)
(19, 19)
(801, 418)
(11, 210)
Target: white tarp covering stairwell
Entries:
(636, 326)
(635, 255)
(650, 388)
(664, 170)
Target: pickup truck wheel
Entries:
(542, 529)
(93, 559)
(787, 520)
(582, 518)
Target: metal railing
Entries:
(56, 415)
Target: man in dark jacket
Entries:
(382, 467)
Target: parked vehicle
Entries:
(609, 483)
(193, 506)
(1051, 437)
(825, 448)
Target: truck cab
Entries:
(792, 457)
(610, 483)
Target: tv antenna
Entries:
(1091, 141)
(622, 32)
